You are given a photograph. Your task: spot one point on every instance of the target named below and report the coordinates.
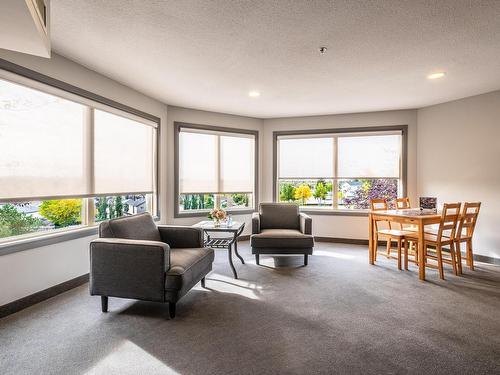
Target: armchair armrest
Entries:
(180, 236)
(255, 223)
(129, 268)
(305, 223)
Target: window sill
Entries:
(45, 240)
(332, 212)
(179, 215)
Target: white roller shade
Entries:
(237, 164)
(198, 163)
(369, 156)
(41, 144)
(306, 158)
(123, 155)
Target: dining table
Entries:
(410, 216)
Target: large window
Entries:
(67, 162)
(215, 167)
(341, 170)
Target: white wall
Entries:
(27, 272)
(340, 226)
(205, 118)
(458, 160)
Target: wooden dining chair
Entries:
(465, 231)
(445, 236)
(388, 234)
(403, 203)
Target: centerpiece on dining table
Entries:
(217, 215)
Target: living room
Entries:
(257, 136)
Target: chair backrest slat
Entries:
(468, 219)
(449, 220)
(378, 205)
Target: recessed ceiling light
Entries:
(436, 75)
(254, 94)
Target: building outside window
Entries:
(339, 171)
(67, 163)
(216, 167)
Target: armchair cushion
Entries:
(187, 266)
(279, 215)
(181, 237)
(281, 238)
(137, 227)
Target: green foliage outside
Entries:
(287, 192)
(15, 223)
(62, 213)
(320, 191)
(197, 201)
(240, 199)
(102, 209)
(118, 206)
(110, 208)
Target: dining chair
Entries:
(465, 231)
(445, 236)
(388, 234)
(403, 203)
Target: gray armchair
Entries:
(134, 258)
(279, 228)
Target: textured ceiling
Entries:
(209, 54)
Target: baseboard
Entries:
(33, 299)
(354, 241)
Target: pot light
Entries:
(436, 75)
(254, 94)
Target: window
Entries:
(340, 170)
(67, 162)
(215, 167)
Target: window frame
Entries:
(203, 213)
(32, 79)
(338, 132)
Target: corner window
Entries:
(215, 167)
(67, 163)
(339, 171)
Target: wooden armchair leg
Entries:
(305, 259)
(171, 310)
(257, 259)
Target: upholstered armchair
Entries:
(134, 258)
(279, 228)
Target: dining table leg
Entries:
(421, 258)
(371, 245)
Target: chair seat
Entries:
(185, 266)
(429, 237)
(281, 238)
(393, 232)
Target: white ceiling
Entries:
(209, 54)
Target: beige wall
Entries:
(205, 118)
(340, 226)
(459, 157)
(30, 271)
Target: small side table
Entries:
(223, 243)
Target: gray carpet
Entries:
(337, 315)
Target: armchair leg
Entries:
(104, 303)
(305, 259)
(203, 283)
(171, 310)
(257, 259)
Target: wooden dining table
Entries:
(413, 216)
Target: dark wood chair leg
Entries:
(257, 259)
(305, 259)
(171, 310)
(104, 303)
(203, 283)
